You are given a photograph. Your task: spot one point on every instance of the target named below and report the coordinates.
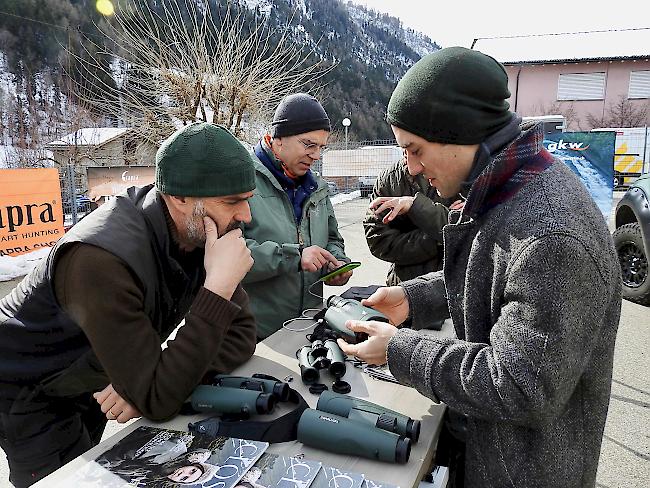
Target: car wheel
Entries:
(634, 263)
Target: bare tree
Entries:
(188, 61)
(621, 114)
(560, 108)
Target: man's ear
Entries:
(276, 143)
(176, 203)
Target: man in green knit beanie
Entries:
(80, 338)
(530, 280)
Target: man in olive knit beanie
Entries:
(530, 280)
(293, 237)
(80, 337)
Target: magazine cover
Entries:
(377, 484)
(329, 477)
(161, 458)
(277, 471)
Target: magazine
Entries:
(162, 458)
(329, 477)
(377, 484)
(275, 471)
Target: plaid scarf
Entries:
(511, 169)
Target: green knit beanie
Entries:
(203, 160)
(452, 96)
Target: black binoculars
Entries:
(340, 310)
(369, 413)
(257, 382)
(338, 434)
(320, 355)
(224, 399)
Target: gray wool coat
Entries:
(533, 289)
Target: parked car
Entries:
(333, 188)
(632, 240)
(366, 183)
(83, 204)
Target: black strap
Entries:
(282, 429)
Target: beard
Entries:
(196, 228)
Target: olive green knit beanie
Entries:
(453, 96)
(203, 160)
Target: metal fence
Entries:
(74, 194)
(351, 169)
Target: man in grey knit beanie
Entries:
(530, 280)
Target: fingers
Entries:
(100, 396)
(210, 227)
(378, 201)
(375, 298)
(348, 349)
(368, 327)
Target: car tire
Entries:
(633, 259)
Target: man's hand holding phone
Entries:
(343, 273)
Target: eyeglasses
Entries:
(311, 147)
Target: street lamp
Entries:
(346, 123)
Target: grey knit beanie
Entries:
(297, 114)
(203, 160)
(453, 96)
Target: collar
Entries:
(507, 171)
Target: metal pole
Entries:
(72, 192)
(645, 153)
(346, 137)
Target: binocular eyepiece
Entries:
(320, 355)
(278, 389)
(340, 310)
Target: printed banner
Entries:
(106, 182)
(591, 156)
(31, 215)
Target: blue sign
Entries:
(591, 156)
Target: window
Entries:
(581, 86)
(639, 84)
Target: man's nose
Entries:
(245, 215)
(414, 167)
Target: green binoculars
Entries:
(340, 310)
(269, 385)
(320, 355)
(224, 399)
(369, 413)
(338, 434)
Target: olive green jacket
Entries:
(412, 242)
(277, 287)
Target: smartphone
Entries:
(340, 270)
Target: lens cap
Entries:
(317, 388)
(342, 387)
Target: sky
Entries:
(458, 22)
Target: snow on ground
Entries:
(344, 197)
(16, 266)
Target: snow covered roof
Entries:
(568, 47)
(92, 136)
